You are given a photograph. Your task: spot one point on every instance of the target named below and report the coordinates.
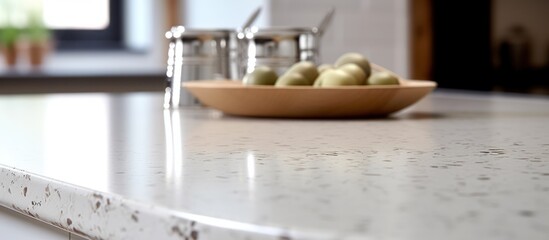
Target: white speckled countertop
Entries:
(118, 166)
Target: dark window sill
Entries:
(49, 82)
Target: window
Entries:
(83, 14)
(85, 24)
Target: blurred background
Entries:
(119, 45)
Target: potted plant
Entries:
(39, 40)
(9, 36)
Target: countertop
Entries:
(118, 166)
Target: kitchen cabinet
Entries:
(456, 165)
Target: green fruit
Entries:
(260, 76)
(318, 80)
(323, 68)
(383, 78)
(337, 78)
(357, 59)
(305, 68)
(355, 71)
(292, 79)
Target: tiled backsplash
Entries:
(375, 28)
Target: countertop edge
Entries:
(99, 215)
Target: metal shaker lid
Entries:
(276, 32)
(254, 32)
(180, 31)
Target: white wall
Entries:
(139, 20)
(222, 13)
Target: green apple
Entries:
(305, 68)
(355, 71)
(292, 79)
(324, 67)
(383, 78)
(357, 59)
(261, 75)
(336, 78)
(318, 80)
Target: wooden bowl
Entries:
(231, 97)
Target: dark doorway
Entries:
(461, 44)
(488, 45)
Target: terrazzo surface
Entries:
(118, 166)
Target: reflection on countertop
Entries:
(453, 166)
